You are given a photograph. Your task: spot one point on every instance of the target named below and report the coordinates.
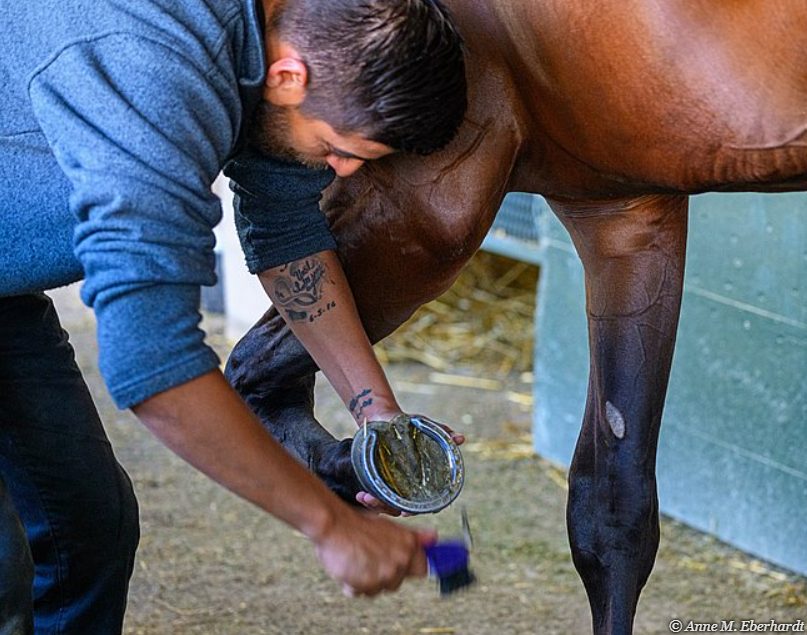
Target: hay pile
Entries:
(483, 324)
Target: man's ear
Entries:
(285, 82)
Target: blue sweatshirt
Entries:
(115, 118)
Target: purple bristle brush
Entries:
(449, 561)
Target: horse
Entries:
(616, 111)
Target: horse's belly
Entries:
(776, 163)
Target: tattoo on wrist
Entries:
(300, 286)
(360, 402)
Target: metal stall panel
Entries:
(515, 231)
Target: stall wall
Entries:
(733, 451)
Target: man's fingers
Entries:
(368, 500)
(457, 437)
(375, 505)
(427, 537)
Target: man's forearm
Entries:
(206, 423)
(314, 297)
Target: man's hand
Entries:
(370, 554)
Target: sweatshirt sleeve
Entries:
(277, 211)
(140, 131)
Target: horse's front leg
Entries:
(633, 253)
(274, 374)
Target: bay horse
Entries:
(615, 111)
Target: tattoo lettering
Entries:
(301, 287)
(321, 311)
(360, 402)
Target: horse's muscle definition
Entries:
(615, 111)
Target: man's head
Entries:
(351, 80)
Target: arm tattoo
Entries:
(300, 286)
(360, 402)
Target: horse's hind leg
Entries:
(633, 253)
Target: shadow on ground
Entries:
(211, 564)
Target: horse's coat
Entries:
(615, 111)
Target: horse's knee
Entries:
(268, 357)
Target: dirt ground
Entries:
(211, 564)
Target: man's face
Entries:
(286, 133)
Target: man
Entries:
(115, 121)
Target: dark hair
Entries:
(391, 70)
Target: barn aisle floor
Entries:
(211, 564)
